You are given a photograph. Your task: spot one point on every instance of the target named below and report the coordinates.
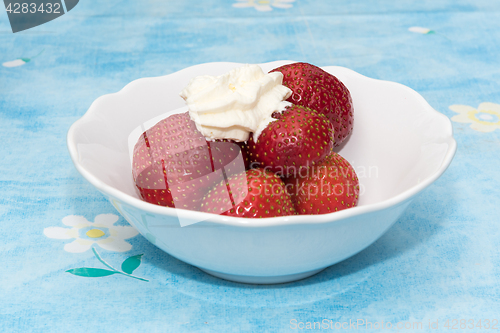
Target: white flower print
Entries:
(15, 63)
(102, 232)
(420, 30)
(20, 61)
(486, 118)
(264, 5)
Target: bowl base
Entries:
(262, 279)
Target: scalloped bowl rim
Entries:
(270, 221)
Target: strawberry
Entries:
(254, 193)
(226, 151)
(246, 154)
(300, 137)
(174, 165)
(327, 187)
(321, 91)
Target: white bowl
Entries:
(399, 146)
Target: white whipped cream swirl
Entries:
(233, 105)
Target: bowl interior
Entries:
(398, 140)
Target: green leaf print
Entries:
(128, 266)
(131, 263)
(90, 272)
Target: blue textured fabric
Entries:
(439, 262)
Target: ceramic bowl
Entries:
(399, 146)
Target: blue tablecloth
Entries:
(438, 266)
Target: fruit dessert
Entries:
(252, 144)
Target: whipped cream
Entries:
(233, 105)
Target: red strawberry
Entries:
(320, 91)
(329, 186)
(225, 151)
(173, 164)
(254, 193)
(246, 154)
(300, 137)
